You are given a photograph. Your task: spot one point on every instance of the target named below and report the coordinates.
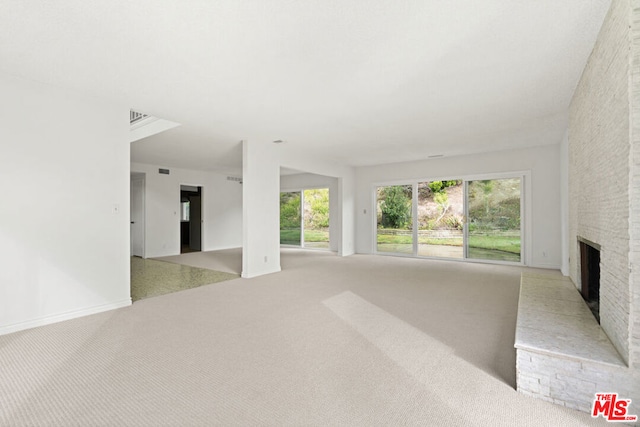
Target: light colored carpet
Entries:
(151, 278)
(360, 341)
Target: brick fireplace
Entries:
(599, 173)
(603, 222)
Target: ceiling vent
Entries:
(135, 117)
(143, 125)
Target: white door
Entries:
(137, 216)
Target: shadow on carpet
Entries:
(151, 278)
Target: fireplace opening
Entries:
(590, 275)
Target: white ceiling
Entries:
(359, 82)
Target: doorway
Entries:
(137, 214)
(190, 219)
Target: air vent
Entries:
(235, 179)
(163, 171)
(135, 116)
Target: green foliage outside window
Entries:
(395, 207)
(439, 186)
(290, 210)
(316, 208)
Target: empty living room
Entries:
(320, 213)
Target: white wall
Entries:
(542, 162)
(64, 226)
(564, 204)
(634, 191)
(221, 209)
(260, 208)
(305, 181)
(347, 190)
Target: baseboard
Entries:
(47, 320)
(346, 253)
(245, 275)
(221, 248)
(546, 266)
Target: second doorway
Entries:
(190, 218)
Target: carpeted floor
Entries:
(359, 341)
(151, 278)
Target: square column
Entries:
(260, 208)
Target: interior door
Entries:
(195, 223)
(137, 216)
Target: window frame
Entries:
(525, 214)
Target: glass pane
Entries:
(441, 219)
(316, 218)
(494, 219)
(290, 218)
(394, 233)
(185, 214)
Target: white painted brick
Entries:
(599, 153)
(604, 207)
(634, 231)
(559, 402)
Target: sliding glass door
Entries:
(441, 219)
(494, 224)
(394, 219)
(291, 218)
(304, 218)
(316, 218)
(458, 218)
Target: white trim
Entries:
(546, 266)
(245, 275)
(465, 224)
(374, 219)
(73, 314)
(414, 217)
(302, 219)
(149, 126)
(311, 187)
(527, 219)
(476, 177)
